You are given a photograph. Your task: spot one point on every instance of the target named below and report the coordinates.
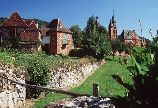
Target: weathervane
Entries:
(140, 22)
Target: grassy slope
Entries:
(107, 85)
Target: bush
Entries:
(36, 64)
(77, 52)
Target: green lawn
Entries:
(107, 85)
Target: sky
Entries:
(71, 12)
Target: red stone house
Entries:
(26, 31)
(128, 36)
(57, 39)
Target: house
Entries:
(129, 36)
(25, 31)
(57, 39)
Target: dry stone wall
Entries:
(65, 77)
(12, 95)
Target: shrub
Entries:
(38, 71)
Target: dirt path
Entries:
(30, 102)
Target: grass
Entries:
(108, 87)
(52, 97)
(103, 76)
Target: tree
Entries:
(116, 46)
(2, 19)
(143, 91)
(76, 36)
(96, 41)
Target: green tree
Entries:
(143, 92)
(2, 19)
(116, 45)
(96, 40)
(76, 36)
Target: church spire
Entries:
(113, 17)
(110, 23)
(112, 28)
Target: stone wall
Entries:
(67, 76)
(83, 102)
(11, 95)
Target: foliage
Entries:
(77, 52)
(6, 58)
(143, 56)
(2, 19)
(38, 70)
(11, 43)
(143, 92)
(115, 45)
(96, 41)
(36, 64)
(77, 36)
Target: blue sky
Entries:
(71, 12)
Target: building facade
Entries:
(130, 37)
(25, 31)
(57, 39)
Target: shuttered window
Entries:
(64, 39)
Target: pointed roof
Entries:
(15, 20)
(57, 25)
(33, 26)
(28, 22)
(110, 23)
(113, 19)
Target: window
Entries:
(46, 40)
(64, 39)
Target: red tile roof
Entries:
(29, 35)
(15, 20)
(33, 25)
(44, 31)
(57, 25)
(28, 22)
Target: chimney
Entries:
(157, 32)
(36, 24)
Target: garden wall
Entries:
(67, 76)
(11, 95)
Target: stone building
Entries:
(112, 29)
(129, 36)
(57, 39)
(25, 31)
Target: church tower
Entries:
(112, 28)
